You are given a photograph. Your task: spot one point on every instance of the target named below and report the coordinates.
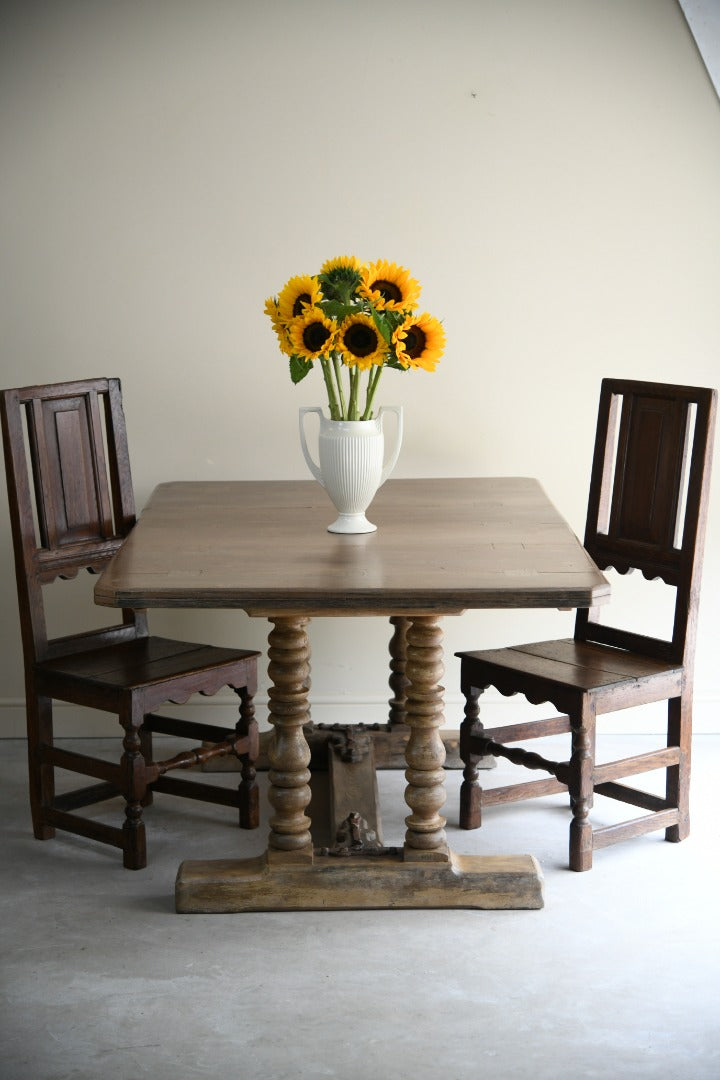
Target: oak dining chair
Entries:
(647, 511)
(71, 505)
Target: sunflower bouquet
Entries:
(354, 319)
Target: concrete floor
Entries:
(616, 977)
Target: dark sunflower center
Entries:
(303, 298)
(360, 340)
(314, 336)
(415, 342)
(387, 289)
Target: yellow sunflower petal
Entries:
(342, 262)
(360, 343)
(273, 312)
(419, 342)
(389, 286)
(311, 334)
(299, 292)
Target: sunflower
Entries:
(389, 286)
(340, 279)
(419, 342)
(343, 263)
(300, 292)
(311, 334)
(360, 342)
(272, 310)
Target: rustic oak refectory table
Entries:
(442, 547)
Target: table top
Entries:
(442, 546)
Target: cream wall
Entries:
(549, 170)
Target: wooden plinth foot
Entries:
(362, 882)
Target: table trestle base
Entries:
(330, 883)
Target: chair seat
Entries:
(142, 664)
(566, 664)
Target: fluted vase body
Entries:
(351, 464)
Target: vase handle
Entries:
(392, 459)
(314, 469)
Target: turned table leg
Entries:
(425, 752)
(398, 678)
(289, 775)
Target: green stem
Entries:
(353, 410)
(335, 413)
(338, 379)
(372, 387)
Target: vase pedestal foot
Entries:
(351, 523)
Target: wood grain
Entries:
(442, 546)
(330, 884)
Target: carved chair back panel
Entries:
(647, 507)
(69, 491)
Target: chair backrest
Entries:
(70, 497)
(647, 507)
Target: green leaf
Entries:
(335, 309)
(381, 323)
(299, 367)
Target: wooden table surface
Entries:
(442, 546)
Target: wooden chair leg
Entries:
(41, 775)
(470, 790)
(677, 787)
(146, 749)
(135, 790)
(580, 785)
(248, 794)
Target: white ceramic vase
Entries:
(352, 464)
